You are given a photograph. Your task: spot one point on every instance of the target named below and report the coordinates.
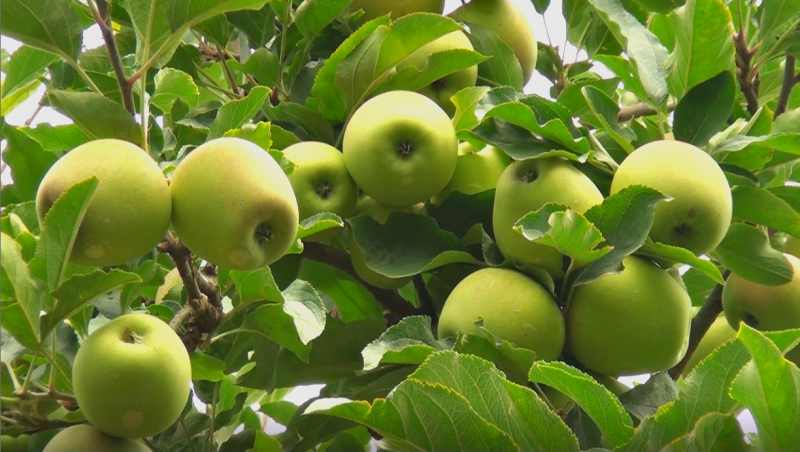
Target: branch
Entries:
(701, 322)
(641, 109)
(789, 80)
(425, 301)
(747, 81)
(103, 20)
(398, 306)
(228, 72)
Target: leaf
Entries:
(769, 386)
(236, 113)
(311, 122)
(18, 97)
(314, 15)
(61, 224)
(713, 432)
(642, 46)
(27, 64)
(699, 285)
(20, 311)
(147, 272)
(437, 66)
(27, 161)
(659, 250)
(466, 101)
(318, 223)
(565, 230)
(757, 205)
(410, 341)
(353, 300)
(260, 134)
(502, 68)
(705, 109)
(75, 293)
(171, 85)
(513, 361)
(644, 400)
(273, 323)
(51, 25)
(261, 64)
(746, 251)
(259, 26)
(256, 285)
(206, 367)
(774, 14)
(97, 116)
(606, 113)
(598, 402)
(304, 305)
(57, 138)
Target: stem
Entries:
(13, 375)
(228, 72)
(84, 76)
(210, 442)
(747, 80)
(144, 113)
(100, 12)
(788, 84)
(27, 382)
(186, 432)
(701, 322)
(641, 109)
(29, 121)
(284, 32)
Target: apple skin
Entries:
(397, 8)
(12, 444)
(719, 333)
(513, 306)
(233, 205)
(629, 323)
(524, 187)
(765, 308)
(130, 210)
(792, 246)
(476, 171)
(443, 89)
(511, 25)
(321, 183)
(132, 376)
(401, 148)
(368, 206)
(85, 438)
(700, 213)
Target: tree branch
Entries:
(228, 72)
(747, 81)
(398, 306)
(789, 81)
(641, 109)
(701, 322)
(103, 20)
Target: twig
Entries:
(183, 261)
(29, 121)
(701, 322)
(398, 306)
(425, 301)
(789, 80)
(641, 109)
(747, 80)
(228, 72)
(100, 12)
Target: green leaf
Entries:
(410, 341)
(513, 361)
(644, 400)
(206, 367)
(303, 303)
(151, 27)
(353, 301)
(658, 250)
(759, 206)
(705, 109)
(318, 223)
(27, 161)
(260, 134)
(642, 46)
(21, 301)
(147, 272)
(310, 121)
(236, 113)
(51, 25)
(27, 64)
(26, 212)
(746, 251)
(773, 15)
(314, 15)
(171, 85)
(437, 66)
(97, 116)
(565, 230)
(76, 292)
(502, 68)
(259, 26)
(788, 142)
(16, 98)
(703, 44)
(714, 432)
(407, 244)
(61, 224)
(699, 285)
(624, 219)
(626, 70)
(256, 285)
(261, 64)
(57, 138)
(598, 402)
(606, 115)
(273, 323)
(466, 101)
(769, 386)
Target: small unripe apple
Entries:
(85, 438)
(397, 8)
(12, 444)
(476, 171)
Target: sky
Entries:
(549, 28)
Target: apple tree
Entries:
(253, 196)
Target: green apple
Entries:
(513, 306)
(368, 206)
(789, 121)
(441, 90)
(233, 205)
(524, 187)
(397, 8)
(130, 210)
(85, 438)
(719, 333)
(132, 376)
(792, 246)
(321, 182)
(401, 148)
(476, 171)
(12, 444)
(700, 212)
(765, 308)
(629, 323)
(510, 23)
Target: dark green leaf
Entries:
(353, 301)
(746, 251)
(409, 342)
(437, 66)
(699, 285)
(97, 116)
(658, 250)
(705, 109)
(171, 85)
(262, 64)
(644, 400)
(314, 15)
(50, 25)
(259, 26)
(311, 122)
(513, 361)
(713, 432)
(322, 221)
(606, 116)
(236, 113)
(256, 285)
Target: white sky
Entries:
(538, 85)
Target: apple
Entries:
(719, 333)
(130, 210)
(401, 148)
(12, 444)
(765, 308)
(792, 246)
(524, 187)
(789, 121)
(397, 8)
(321, 182)
(132, 376)
(368, 206)
(233, 205)
(85, 438)
(700, 212)
(511, 25)
(629, 323)
(476, 171)
(441, 90)
(513, 307)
